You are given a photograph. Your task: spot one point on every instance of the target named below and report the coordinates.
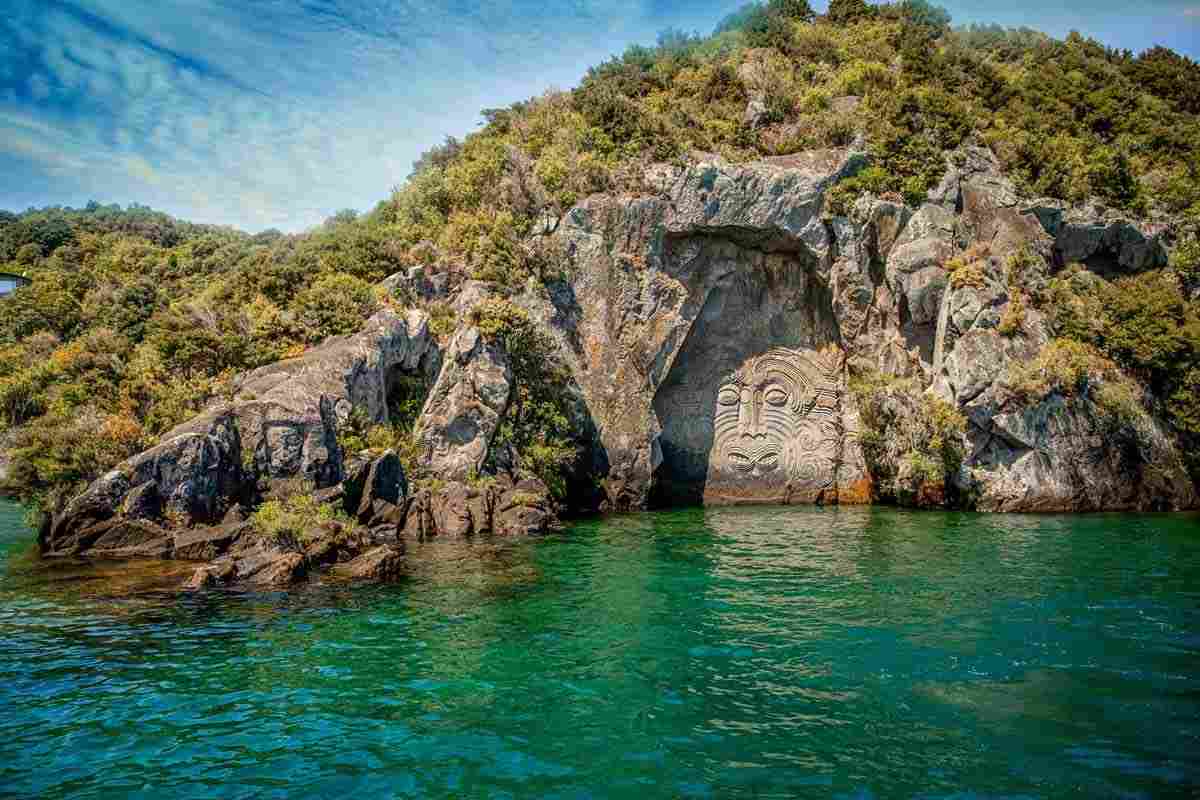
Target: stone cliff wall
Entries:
(714, 329)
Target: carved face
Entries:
(758, 412)
(765, 430)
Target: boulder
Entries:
(270, 564)
(385, 484)
(465, 407)
(206, 544)
(1108, 243)
(380, 564)
(211, 575)
(281, 572)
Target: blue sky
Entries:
(277, 113)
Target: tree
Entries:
(918, 46)
(334, 304)
(791, 9)
(923, 13)
(1168, 75)
(845, 12)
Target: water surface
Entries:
(864, 653)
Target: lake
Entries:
(758, 653)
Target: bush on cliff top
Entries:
(1143, 323)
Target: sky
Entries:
(278, 113)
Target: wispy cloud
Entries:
(271, 113)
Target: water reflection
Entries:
(699, 653)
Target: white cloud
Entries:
(258, 116)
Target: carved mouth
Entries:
(754, 461)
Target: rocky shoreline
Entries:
(726, 338)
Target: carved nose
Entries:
(749, 425)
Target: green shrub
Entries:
(1012, 321)
(1120, 405)
(907, 433)
(298, 516)
(333, 305)
(537, 424)
(845, 12)
(1062, 365)
(442, 319)
(964, 273)
(1185, 260)
(1183, 404)
(1151, 327)
(1074, 302)
(871, 180)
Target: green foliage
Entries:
(334, 304)
(871, 180)
(845, 12)
(1012, 321)
(1185, 262)
(1075, 369)
(907, 435)
(918, 13)
(1151, 327)
(298, 516)
(537, 424)
(1062, 365)
(1144, 323)
(966, 271)
(442, 319)
(1169, 75)
(1183, 404)
(134, 321)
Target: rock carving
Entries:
(776, 428)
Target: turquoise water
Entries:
(759, 653)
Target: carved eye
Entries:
(769, 461)
(729, 397)
(776, 396)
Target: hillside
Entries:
(136, 322)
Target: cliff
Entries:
(727, 340)
(858, 258)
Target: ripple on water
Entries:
(697, 653)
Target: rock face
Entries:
(673, 296)
(465, 407)
(1059, 454)
(711, 329)
(281, 424)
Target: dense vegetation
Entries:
(135, 320)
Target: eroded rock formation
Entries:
(733, 284)
(712, 329)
